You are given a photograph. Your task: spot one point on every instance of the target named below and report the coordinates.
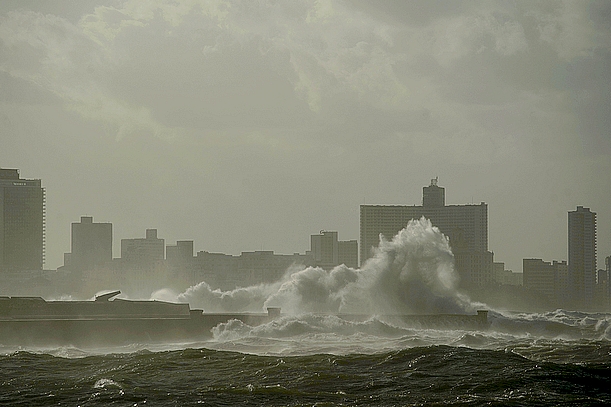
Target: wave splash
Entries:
(411, 274)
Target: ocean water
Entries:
(557, 358)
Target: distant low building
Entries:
(227, 272)
(506, 277)
(91, 245)
(143, 251)
(548, 278)
(181, 252)
(328, 252)
(181, 263)
(143, 257)
(216, 269)
(266, 266)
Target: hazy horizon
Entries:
(245, 126)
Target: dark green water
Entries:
(429, 375)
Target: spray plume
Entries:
(411, 274)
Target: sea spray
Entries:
(411, 274)
(414, 273)
(241, 299)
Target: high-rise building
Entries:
(465, 225)
(22, 222)
(582, 256)
(91, 245)
(328, 252)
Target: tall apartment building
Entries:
(465, 225)
(328, 252)
(91, 245)
(22, 222)
(582, 256)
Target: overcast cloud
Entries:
(248, 125)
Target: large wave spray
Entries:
(411, 274)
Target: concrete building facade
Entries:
(22, 222)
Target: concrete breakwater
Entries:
(33, 321)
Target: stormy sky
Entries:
(249, 125)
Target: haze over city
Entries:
(305, 202)
(248, 126)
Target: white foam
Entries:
(412, 273)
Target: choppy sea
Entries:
(556, 358)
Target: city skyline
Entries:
(253, 126)
(433, 194)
